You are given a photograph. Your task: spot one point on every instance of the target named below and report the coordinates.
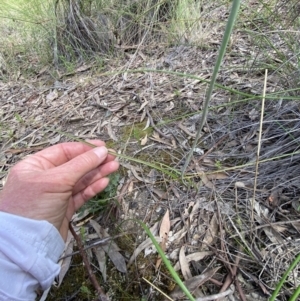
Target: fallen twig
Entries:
(101, 295)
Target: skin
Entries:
(55, 182)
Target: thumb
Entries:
(84, 163)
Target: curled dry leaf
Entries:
(144, 140)
(163, 234)
(184, 264)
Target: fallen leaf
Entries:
(170, 107)
(184, 265)
(110, 132)
(147, 124)
(193, 283)
(52, 95)
(111, 249)
(195, 257)
(165, 227)
(145, 244)
(54, 140)
(163, 234)
(144, 140)
(142, 106)
(130, 187)
(211, 232)
(101, 258)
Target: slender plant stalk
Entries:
(296, 294)
(226, 37)
(259, 145)
(167, 262)
(280, 284)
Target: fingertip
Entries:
(101, 152)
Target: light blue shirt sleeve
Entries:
(29, 251)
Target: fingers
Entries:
(62, 153)
(89, 192)
(72, 171)
(102, 171)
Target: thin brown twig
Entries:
(101, 295)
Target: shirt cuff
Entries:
(29, 251)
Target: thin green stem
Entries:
(167, 262)
(226, 37)
(280, 284)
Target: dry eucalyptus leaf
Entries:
(184, 265)
(211, 232)
(145, 244)
(192, 284)
(163, 233)
(111, 248)
(195, 257)
(144, 140)
(101, 258)
(165, 227)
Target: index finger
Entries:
(61, 153)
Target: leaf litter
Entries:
(200, 240)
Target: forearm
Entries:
(29, 251)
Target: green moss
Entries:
(75, 282)
(137, 131)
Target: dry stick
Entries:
(101, 294)
(155, 287)
(259, 146)
(216, 296)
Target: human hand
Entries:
(53, 183)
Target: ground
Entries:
(234, 218)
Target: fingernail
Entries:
(100, 151)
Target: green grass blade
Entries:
(167, 262)
(280, 284)
(226, 37)
(295, 295)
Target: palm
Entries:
(56, 183)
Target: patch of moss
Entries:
(76, 283)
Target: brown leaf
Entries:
(165, 227)
(163, 234)
(211, 232)
(144, 140)
(145, 244)
(193, 283)
(184, 265)
(195, 257)
(111, 249)
(101, 258)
